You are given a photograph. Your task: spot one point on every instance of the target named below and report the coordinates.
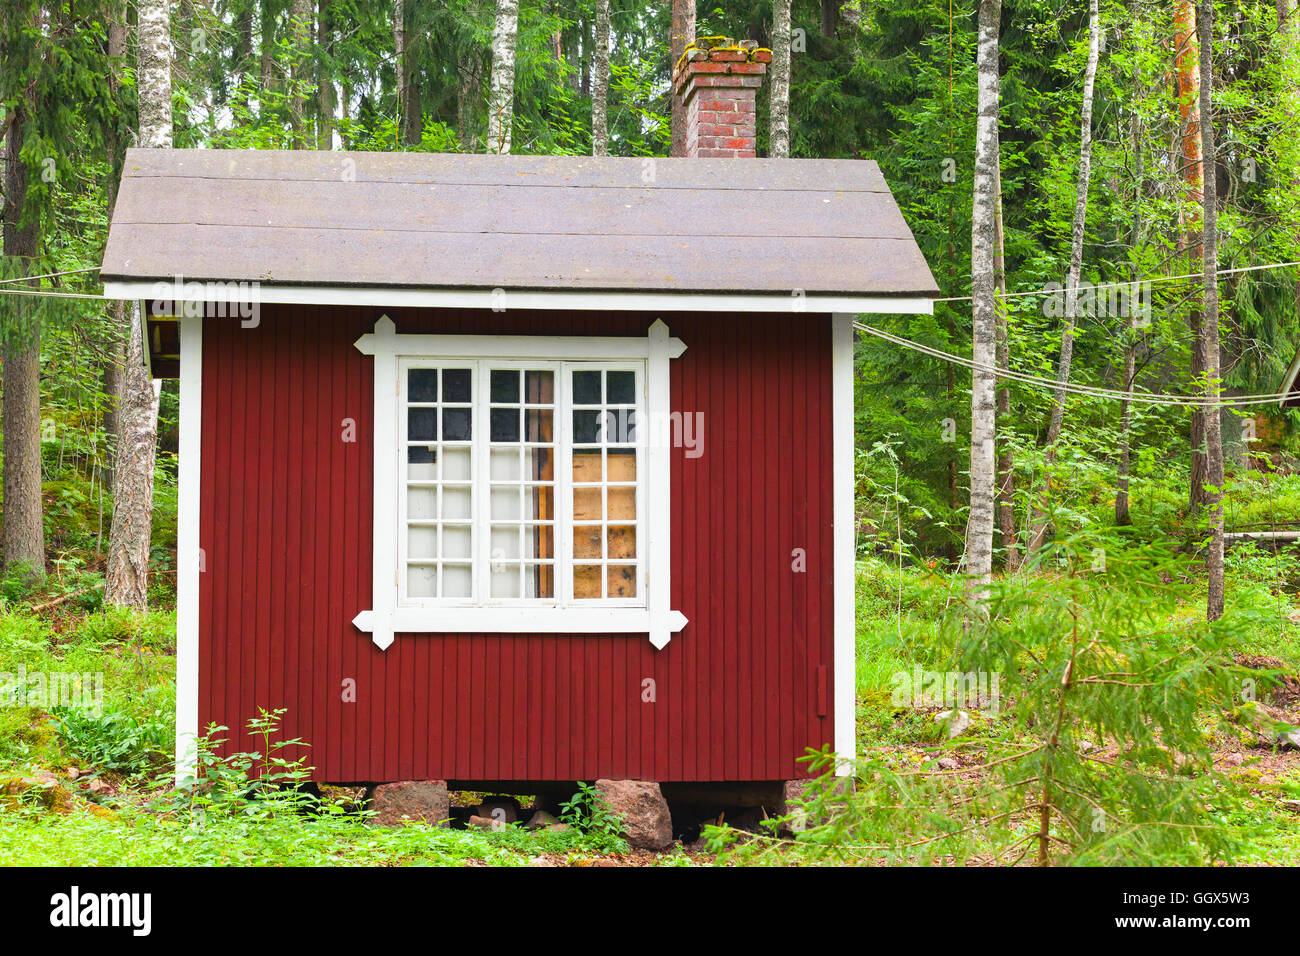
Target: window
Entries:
(520, 484)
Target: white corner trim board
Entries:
(390, 616)
(189, 555)
(843, 546)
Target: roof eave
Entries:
(906, 302)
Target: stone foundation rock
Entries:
(647, 824)
(410, 801)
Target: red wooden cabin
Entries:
(515, 469)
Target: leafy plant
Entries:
(114, 741)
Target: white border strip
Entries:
(844, 548)
(499, 299)
(189, 559)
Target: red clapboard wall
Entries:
(286, 532)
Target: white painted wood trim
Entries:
(659, 514)
(844, 546)
(387, 617)
(525, 620)
(388, 297)
(189, 560)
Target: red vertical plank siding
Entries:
(286, 526)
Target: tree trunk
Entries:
(301, 23)
(979, 531)
(410, 109)
(778, 144)
(266, 49)
(399, 62)
(680, 33)
(111, 370)
(1131, 336)
(324, 77)
(23, 538)
(830, 17)
(467, 97)
(1210, 317)
(126, 582)
(1006, 505)
(600, 93)
(501, 104)
(1041, 520)
(1186, 67)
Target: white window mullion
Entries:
(480, 470)
(563, 488)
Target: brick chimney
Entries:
(718, 81)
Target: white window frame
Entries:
(650, 612)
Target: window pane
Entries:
(505, 424)
(587, 504)
(539, 581)
(457, 581)
(422, 385)
(539, 541)
(422, 581)
(455, 385)
(505, 386)
(505, 464)
(505, 580)
(455, 502)
(587, 581)
(423, 542)
(455, 424)
(422, 503)
(539, 425)
(621, 464)
(620, 388)
(505, 502)
(586, 427)
(621, 540)
(456, 541)
(423, 463)
(455, 464)
(587, 465)
(505, 542)
(586, 542)
(539, 387)
(422, 424)
(622, 503)
(586, 388)
(622, 581)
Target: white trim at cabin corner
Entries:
(386, 619)
(393, 298)
(844, 548)
(189, 555)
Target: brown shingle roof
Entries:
(516, 222)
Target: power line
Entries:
(1090, 391)
(51, 275)
(1128, 284)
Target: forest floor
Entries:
(76, 790)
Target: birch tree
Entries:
(600, 88)
(1210, 317)
(126, 581)
(1072, 277)
(779, 138)
(681, 32)
(502, 85)
(979, 531)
